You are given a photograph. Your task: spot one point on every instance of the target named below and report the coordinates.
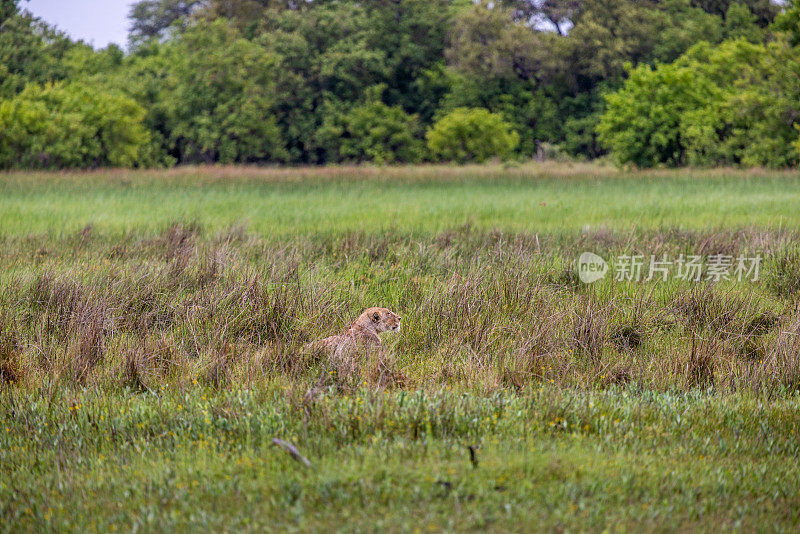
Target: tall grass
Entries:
(483, 310)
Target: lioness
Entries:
(364, 332)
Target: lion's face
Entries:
(382, 319)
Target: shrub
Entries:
(371, 131)
(471, 135)
(70, 125)
(731, 104)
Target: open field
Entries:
(421, 201)
(151, 327)
(546, 460)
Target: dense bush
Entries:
(733, 104)
(69, 125)
(220, 107)
(471, 135)
(371, 131)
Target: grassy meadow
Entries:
(152, 324)
(415, 201)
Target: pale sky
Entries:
(97, 22)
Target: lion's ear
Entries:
(376, 317)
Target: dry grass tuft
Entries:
(10, 348)
(134, 371)
(217, 372)
(700, 362)
(589, 327)
(383, 372)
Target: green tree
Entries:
(487, 43)
(583, 112)
(412, 34)
(519, 60)
(332, 53)
(610, 33)
(30, 51)
(154, 18)
(208, 93)
(247, 15)
(148, 75)
(731, 104)
(641, 124)
(764, 10)
(788, 22)
(71, 126)
(8, 8)
(755, 120)
(533, 111)
(679, 26)
(471, 135)
(370, 131)
(220, 104)
(557, 14)
(741, 23)
(505, 67)
(323, 55)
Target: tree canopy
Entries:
(668, 82)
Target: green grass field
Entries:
(152, 325)
(281, 204)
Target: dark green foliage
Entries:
(533, 112)
(30, 51)
(209, 96)
(732, 104)
(788, 22)
(679, 26)
(220, 105)
(580, 129)
(765, 10)
(412, 35)
(642, 123)
(154, 18)
(8, 8)
(371, 131)
(487, 44)
(741, 23)
(262, 81)
(323, 54)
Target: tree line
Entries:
(644, 82)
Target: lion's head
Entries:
(380, 320)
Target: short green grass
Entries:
(528, 198)
(150, 325)
(549, 460)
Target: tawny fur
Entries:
(363, 332)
